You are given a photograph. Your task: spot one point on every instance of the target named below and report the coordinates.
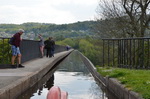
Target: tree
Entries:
(123, 18)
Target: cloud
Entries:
(70, 2)
(47, 11)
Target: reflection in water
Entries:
(71, 76)
(39, 90)
(49, 83)
(95, 89)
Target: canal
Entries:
(72, 76)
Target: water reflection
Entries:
(72, 76)
(39, 90)
(94, 89)
(49, 83)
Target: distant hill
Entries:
(78, 29)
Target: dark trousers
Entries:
(48, 52)
(52, 51)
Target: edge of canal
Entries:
(111, 84)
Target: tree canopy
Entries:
(124, 18)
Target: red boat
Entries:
(56, 93)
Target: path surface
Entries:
(20, 79)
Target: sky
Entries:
(47, 11)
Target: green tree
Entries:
(91, 51)
(5, 52)
(124, 17)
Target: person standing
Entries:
(41, 44)
(52, 42)
(15, 49)
(47, 47)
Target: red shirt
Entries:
(17, 39)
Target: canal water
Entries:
(72, 76)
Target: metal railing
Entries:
(127, 53)
(29, 50)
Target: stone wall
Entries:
(110, 84)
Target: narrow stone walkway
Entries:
(15, 81)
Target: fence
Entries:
(127, 53)
(29, 49)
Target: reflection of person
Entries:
(15, 49)
(40, 90)
(49, 83)
(41, 44)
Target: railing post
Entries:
(143, 54)
(108, 53)
(130, 53)
(103, 52)
(134, 51)
(118, 53)
(148, 54)
(113, 54)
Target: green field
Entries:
(135, 80)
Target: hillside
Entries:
(78, 29)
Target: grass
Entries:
(136, 80)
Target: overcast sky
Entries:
(47, 11)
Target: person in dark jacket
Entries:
(50, 47)
(15, 49)
(47, 47)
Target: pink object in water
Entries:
(64, 95)
(56, 93)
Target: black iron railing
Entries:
(128, 53)
(29, 50)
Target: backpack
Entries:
(11, 40)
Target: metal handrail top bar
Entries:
(126, 38)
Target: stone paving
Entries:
(22, 78)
